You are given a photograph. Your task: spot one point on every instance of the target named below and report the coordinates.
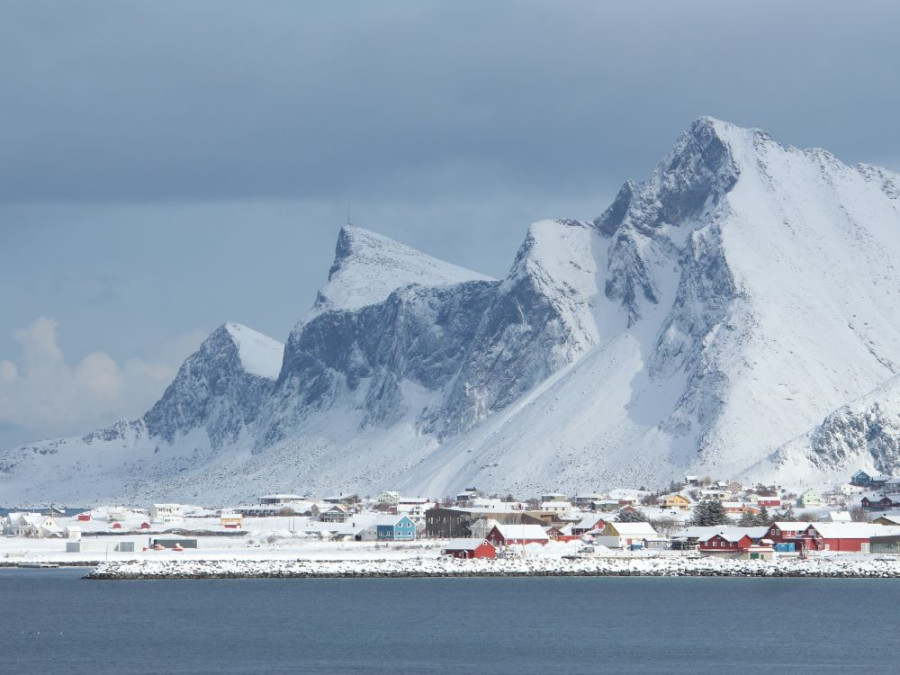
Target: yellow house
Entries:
(232, 520)
(676, 501)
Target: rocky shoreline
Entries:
(832, 567)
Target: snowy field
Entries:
(14, 550)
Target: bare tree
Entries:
(858, 514)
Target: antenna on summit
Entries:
(348, 215)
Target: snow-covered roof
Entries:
(790, 525)
(847, 530)
(633, 529)
(259, 354)
(701, 532)
(587, 521)
(464, 544)
(737, 533)
(512, 531)
(886, 531)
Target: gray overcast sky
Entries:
(169, 165)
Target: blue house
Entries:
(861, 479)
(395, 528)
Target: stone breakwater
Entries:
(834, 567)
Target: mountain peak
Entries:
(259, 354)
(368, 267)
(703, 165)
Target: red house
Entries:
(790, 531)
(507, 535)
(883, 504)
(84, 517)
(586, 524)
(768, 502)
(840, 536)
(727, 541)
(469, 548)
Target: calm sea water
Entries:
(51, 621)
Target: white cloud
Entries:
(50, 397)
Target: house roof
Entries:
(633, 529)
(703, 532)
(847, 530)
(512, 531)
(890, 517)
(465, 544)
(391, 521)
(791, 525)
(587, 522)
(738, 533)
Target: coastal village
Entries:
(696, 517)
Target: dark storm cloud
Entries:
(131, 101)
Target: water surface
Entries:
(51, 621)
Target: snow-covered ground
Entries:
(528, 565)
(263, 547)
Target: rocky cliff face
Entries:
(864, 434)
(713, 313)
(418, 335)
(218, 389)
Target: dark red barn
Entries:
(840, 536)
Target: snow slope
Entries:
(864, 434)
(368, 267)
(259, 354)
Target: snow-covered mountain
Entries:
(712, 314)
(216, 394)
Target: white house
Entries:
(623, 535)
(391, 497)
(34, 525)
(167, 513)
(562, 509)
(414, 509)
